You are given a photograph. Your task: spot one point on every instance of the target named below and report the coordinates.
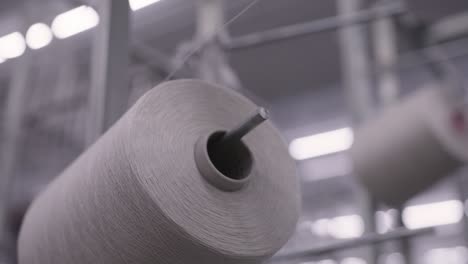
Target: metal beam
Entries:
(212, 64)
(109, 91)
(369, 239)
(12, 130)
(154, 59)
(323, 25)
(355, 63)
(413, 59)
(386, 57)
(388, 88)
(358, 89)
(437, 59)
(448, 28)
(405, 61)
(210, 20)
(404, 243)
(158, 62)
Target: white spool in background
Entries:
(137, 195)
(410, 146)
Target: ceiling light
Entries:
(139, 4)
(74, 21)
(321, 144)
(434, 214)
(326, 261)
(344, 227)
(38, 36)
(353, 261)
(12, 45)
(457, 255)
(327, 167)
(394, 258)
(320, 227)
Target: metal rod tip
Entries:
(245, 127)
(263, 113)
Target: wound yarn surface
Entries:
(409, 147)
(137, 196)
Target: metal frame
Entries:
(367, 240)
(448, 28)
(386, 57)
(205, 52)
(108, 96)
(316, 26)
(14, 114)
(358, 89)
(140, 52)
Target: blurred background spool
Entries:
(137, 195)
(410, 146)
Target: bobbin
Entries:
(148, 189)
(409, 147)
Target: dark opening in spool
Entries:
(234, 162)
(227, 167)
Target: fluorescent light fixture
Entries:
(394, 258)
(344, 227)
(139, 4)
(320, 227)
(38, 36)
(341, 227)
(326, 261)
(321, 144)
(12, 45)
(74, 21)
(457, 255)
(353, 261)
(327, 167)
(434, 214)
